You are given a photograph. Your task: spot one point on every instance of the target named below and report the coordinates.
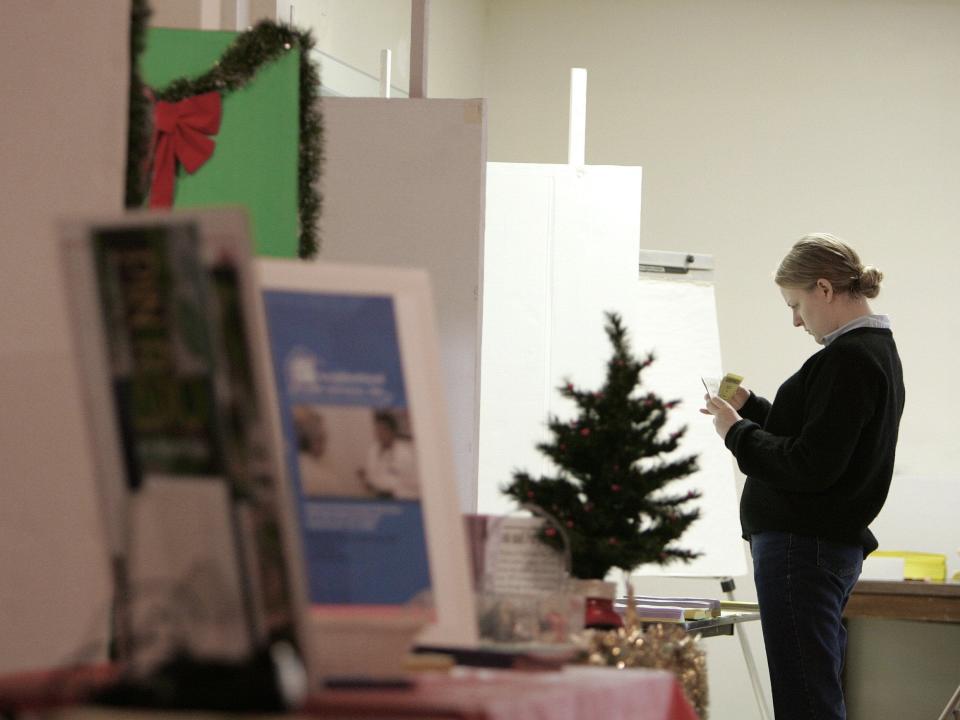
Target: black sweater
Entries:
(819, 460)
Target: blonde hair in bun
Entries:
(869, 283)
(822, 255)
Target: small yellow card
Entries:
(729, 385)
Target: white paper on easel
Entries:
(677, 320)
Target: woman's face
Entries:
(811, 308)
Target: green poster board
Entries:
(255, 161)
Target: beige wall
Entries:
(189, 14)
(355, 31)
(62, 140)
(175, 13)
(456, 48)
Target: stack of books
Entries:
(653, 608)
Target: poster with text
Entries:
(350, 448)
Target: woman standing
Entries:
(818, 462)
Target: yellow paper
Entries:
(729, 385)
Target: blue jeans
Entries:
(802, 587)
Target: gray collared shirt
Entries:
(873, 321)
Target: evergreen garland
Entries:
(138, 127)
(238, 65)
(608, 494)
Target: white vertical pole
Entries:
(385, 73)
(243, 15)
(577, 137)
(420, 12)
(210, 18)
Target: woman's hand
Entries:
(739, 398)
(724, 414)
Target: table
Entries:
(721, 625)
(905, 600)
(902, 666)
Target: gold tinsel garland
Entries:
(662, 646)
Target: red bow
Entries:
(180, 133)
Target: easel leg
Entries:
(728, 586)
(952, 710)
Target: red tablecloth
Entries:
(574, 693)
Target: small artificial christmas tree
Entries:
(607, 494)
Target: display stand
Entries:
(952, 710)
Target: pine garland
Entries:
(235, 69)
(608, 495)
(138, 128)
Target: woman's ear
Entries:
(825, 288)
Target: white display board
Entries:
(403, 186)
(562, 246)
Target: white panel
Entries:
(403, 186)
(55, 592)
(594, 265)
(516, 312)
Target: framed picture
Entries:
(366, 445)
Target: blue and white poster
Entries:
(349, 447)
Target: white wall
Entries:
(63, 143)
